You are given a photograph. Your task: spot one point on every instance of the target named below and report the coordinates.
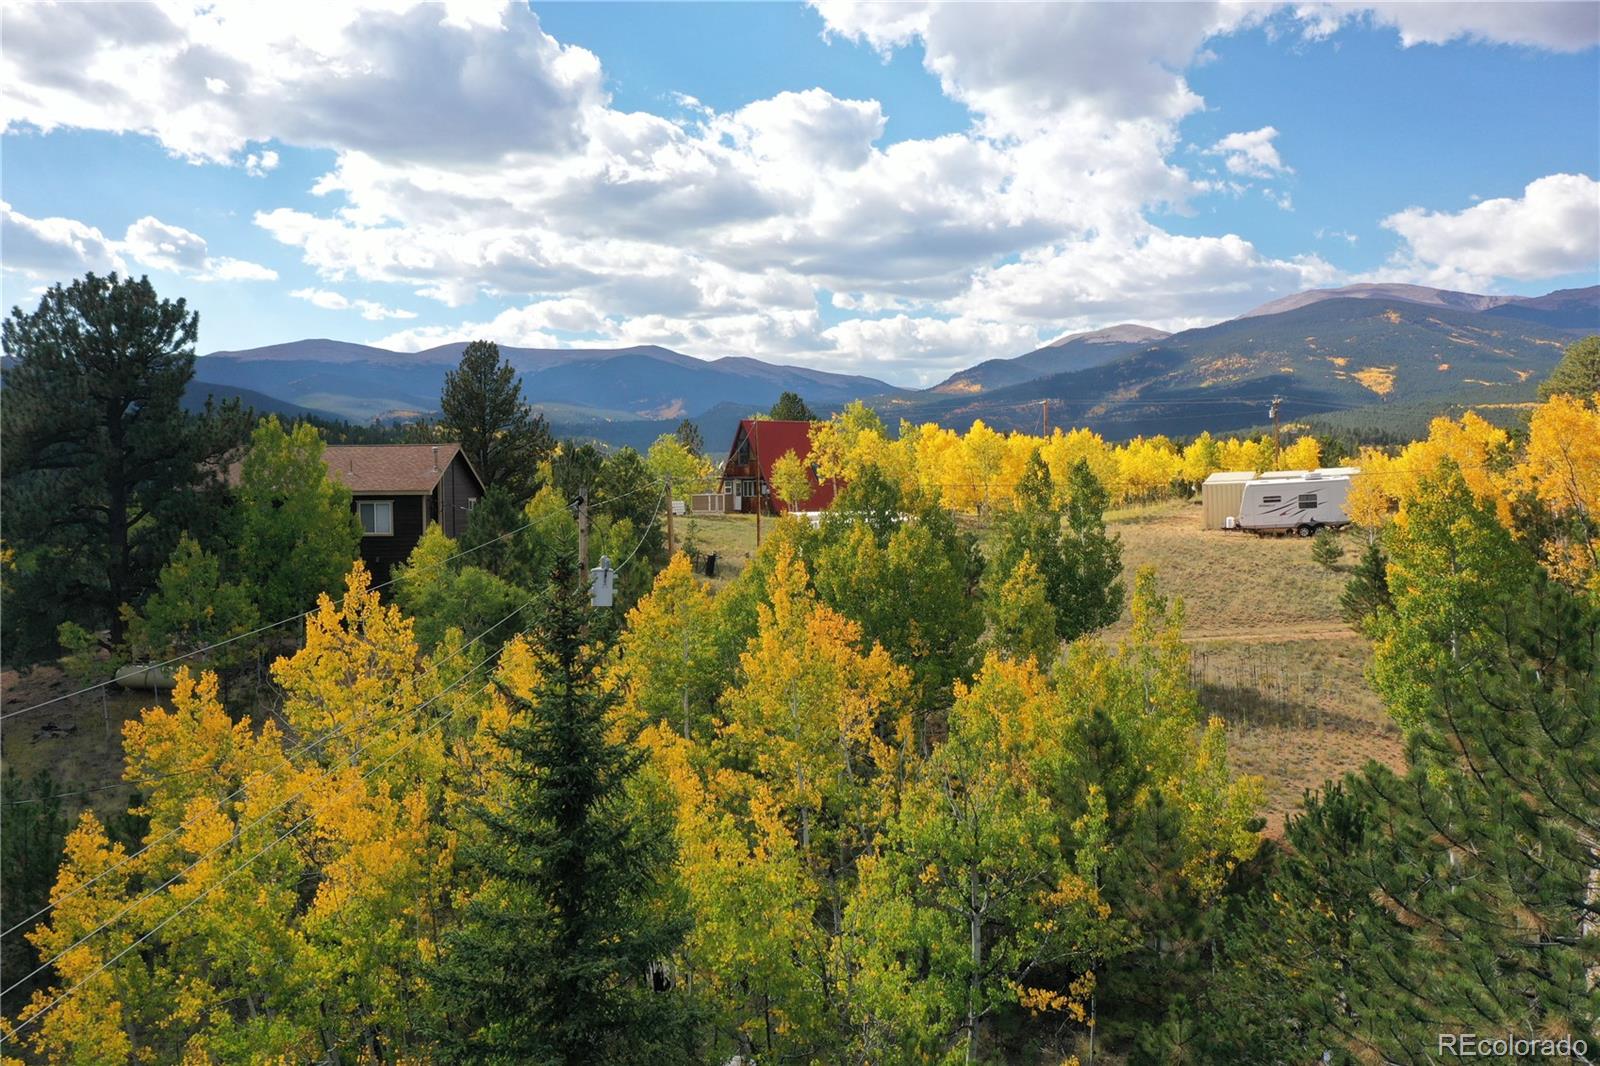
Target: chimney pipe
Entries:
(435, 458)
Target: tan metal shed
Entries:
(1220, 496)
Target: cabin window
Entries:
(1308, 501)
(743, 455)
(377, 517)
(1272, 499)
(747, 486)
(472, 501)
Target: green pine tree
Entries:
(1094, 591)
(791, 408)
(1460, 897)
(483, 408)
(559, 957)
(99, 456)
(1578, 372)
(1326, 550)
(1367, 591)
(1080, 563)
(30, 854)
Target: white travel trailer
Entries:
(1298, 500)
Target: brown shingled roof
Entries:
(389, 467)
(369, 468)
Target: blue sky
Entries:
(897, 191)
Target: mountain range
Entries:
(1326, 350)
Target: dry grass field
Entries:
(1271, 657)
(79, 740)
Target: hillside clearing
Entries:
(1272, 656)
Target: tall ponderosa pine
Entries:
(558, 957)
(483, 407)
(97, 447)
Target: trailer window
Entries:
(1308, 501)
(1272, 499)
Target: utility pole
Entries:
(583, 537)
(1276, 402)
(1046, 402)
(669, 516)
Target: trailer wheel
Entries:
(1306, 530)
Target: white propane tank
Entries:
(1230, 522)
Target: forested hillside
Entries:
(930, 780)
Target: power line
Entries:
(646, 534)
(214, 885)
(331, 734)
(257, 821)
(300, 749)
(303, 614)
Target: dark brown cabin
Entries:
(398, 489)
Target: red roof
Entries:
(770, 440)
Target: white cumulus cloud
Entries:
(460, 82)
(160, 246)
(1554, 25)
(1252, 154)
(329, 300)
(57, 249)
(1553, 228)
(54, 248)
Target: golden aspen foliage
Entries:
(668, 668)
(984, 461)
(1146, 469)
(790, 480)
(848, 441)
(91, 1024)
(1303, 454)
(1561, 467)
(1201, 459)
(1061, 450)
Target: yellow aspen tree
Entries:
(790, 480)
(92, 1024)
(1562, 468)
(669, 668)
(1062, 449)
(1148, 468)
(1303, 454)
(1020, 449)
(985, 453)
(1479, 450)
(359, 663)
(1201, 459)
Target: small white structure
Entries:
(602, 583)
(1298, 500)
